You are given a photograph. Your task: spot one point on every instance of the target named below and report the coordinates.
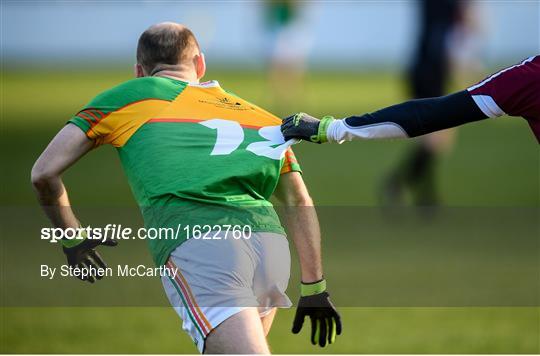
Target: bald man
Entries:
(203, 163)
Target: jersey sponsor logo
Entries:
(226, 103)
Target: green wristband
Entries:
(321, 136)
(323, 128)
(75, 241)
(312, 288)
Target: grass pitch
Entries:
(493, 164)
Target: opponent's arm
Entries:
(302, 223)
(68, 146)
(409, 119)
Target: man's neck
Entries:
(178, 75)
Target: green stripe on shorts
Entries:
(187, 307)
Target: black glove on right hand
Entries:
(301, 126)
(325, 320)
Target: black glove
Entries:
(325, 320)
(83, 255)
(306, 127)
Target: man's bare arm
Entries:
(68, 146)
(302, 223)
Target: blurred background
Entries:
(322, 57)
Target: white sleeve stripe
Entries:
(339, 131)
(488, 106)
(383, 127)
(499, 73)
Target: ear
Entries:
(200, 65)
(138, 70)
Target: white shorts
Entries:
(219, 278)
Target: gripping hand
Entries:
(306, 127)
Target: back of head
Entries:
(167, 45)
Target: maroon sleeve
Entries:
(514, 91)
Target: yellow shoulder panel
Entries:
(120, 125)
(203, 103)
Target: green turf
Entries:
(493, 163)
(367, 330)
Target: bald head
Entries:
(166, 44)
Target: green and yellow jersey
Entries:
(194, 154)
